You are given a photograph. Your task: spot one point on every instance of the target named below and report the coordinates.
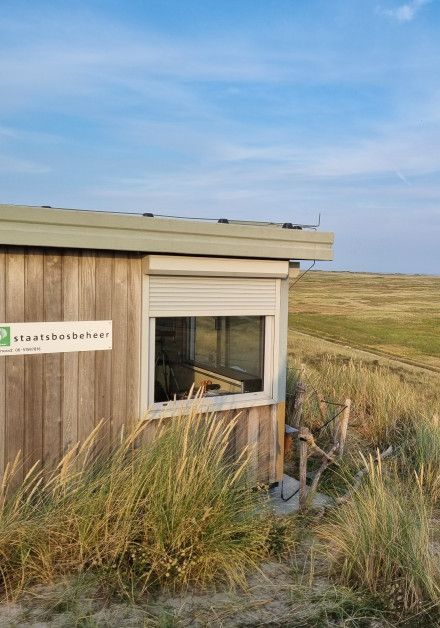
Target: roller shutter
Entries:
(211, 296)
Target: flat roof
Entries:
(23, 225)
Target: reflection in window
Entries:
(223, 355)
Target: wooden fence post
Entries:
(298, 404)
(303, 453)
(343, 426)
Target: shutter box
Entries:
(211, 296)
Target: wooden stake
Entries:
(297, 406)
(303, 452)
(343, 426)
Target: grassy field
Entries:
(397, 315)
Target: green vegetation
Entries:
(394, 314)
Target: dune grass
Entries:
(384, 541)
(386, 397)
(382, 403)
(170, 513)
(381, 541)
(420, 454)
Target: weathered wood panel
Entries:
(257, 431)
(49, 402)
(2, 362)
(15, 391)
(103, 359)
(52, 418)
(264, 443)
(86, 365)
(134, 305)
(71, 282)
(119, 365)
(34, 364)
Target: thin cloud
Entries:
(9, 165)
(405, 12)
(402, 177)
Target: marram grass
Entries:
(383, 402)
(381, 542)
(420, 453)
(173, 512)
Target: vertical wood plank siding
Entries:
(14, 397)
(52, 380)
(49, 402)
(256, 431)
(34, 364)
(2, 362)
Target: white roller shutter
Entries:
(211, 296)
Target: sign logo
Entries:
(54, 337)
(5, 336)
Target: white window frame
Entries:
(233, 400)
(273, 389)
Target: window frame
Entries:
(264, 397)
(275, 341)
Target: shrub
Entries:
(175, 511)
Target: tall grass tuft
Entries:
(382, 403)
(420, 452)
(173, 512)
(380, 541)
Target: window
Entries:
(217, 333)
(222, 355)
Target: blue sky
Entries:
(266, 109)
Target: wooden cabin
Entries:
(113, 316)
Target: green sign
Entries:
(5, 336)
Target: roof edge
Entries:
(22, 225)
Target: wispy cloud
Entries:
(12, 165)
(250, 115)
(405, 12)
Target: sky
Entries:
(246, 109)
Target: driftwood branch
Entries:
(325, 463)
(308, 437)
(360, 474)
(307, 445)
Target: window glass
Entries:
(223, 355)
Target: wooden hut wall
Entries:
(49, 402)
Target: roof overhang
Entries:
(33, 226)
